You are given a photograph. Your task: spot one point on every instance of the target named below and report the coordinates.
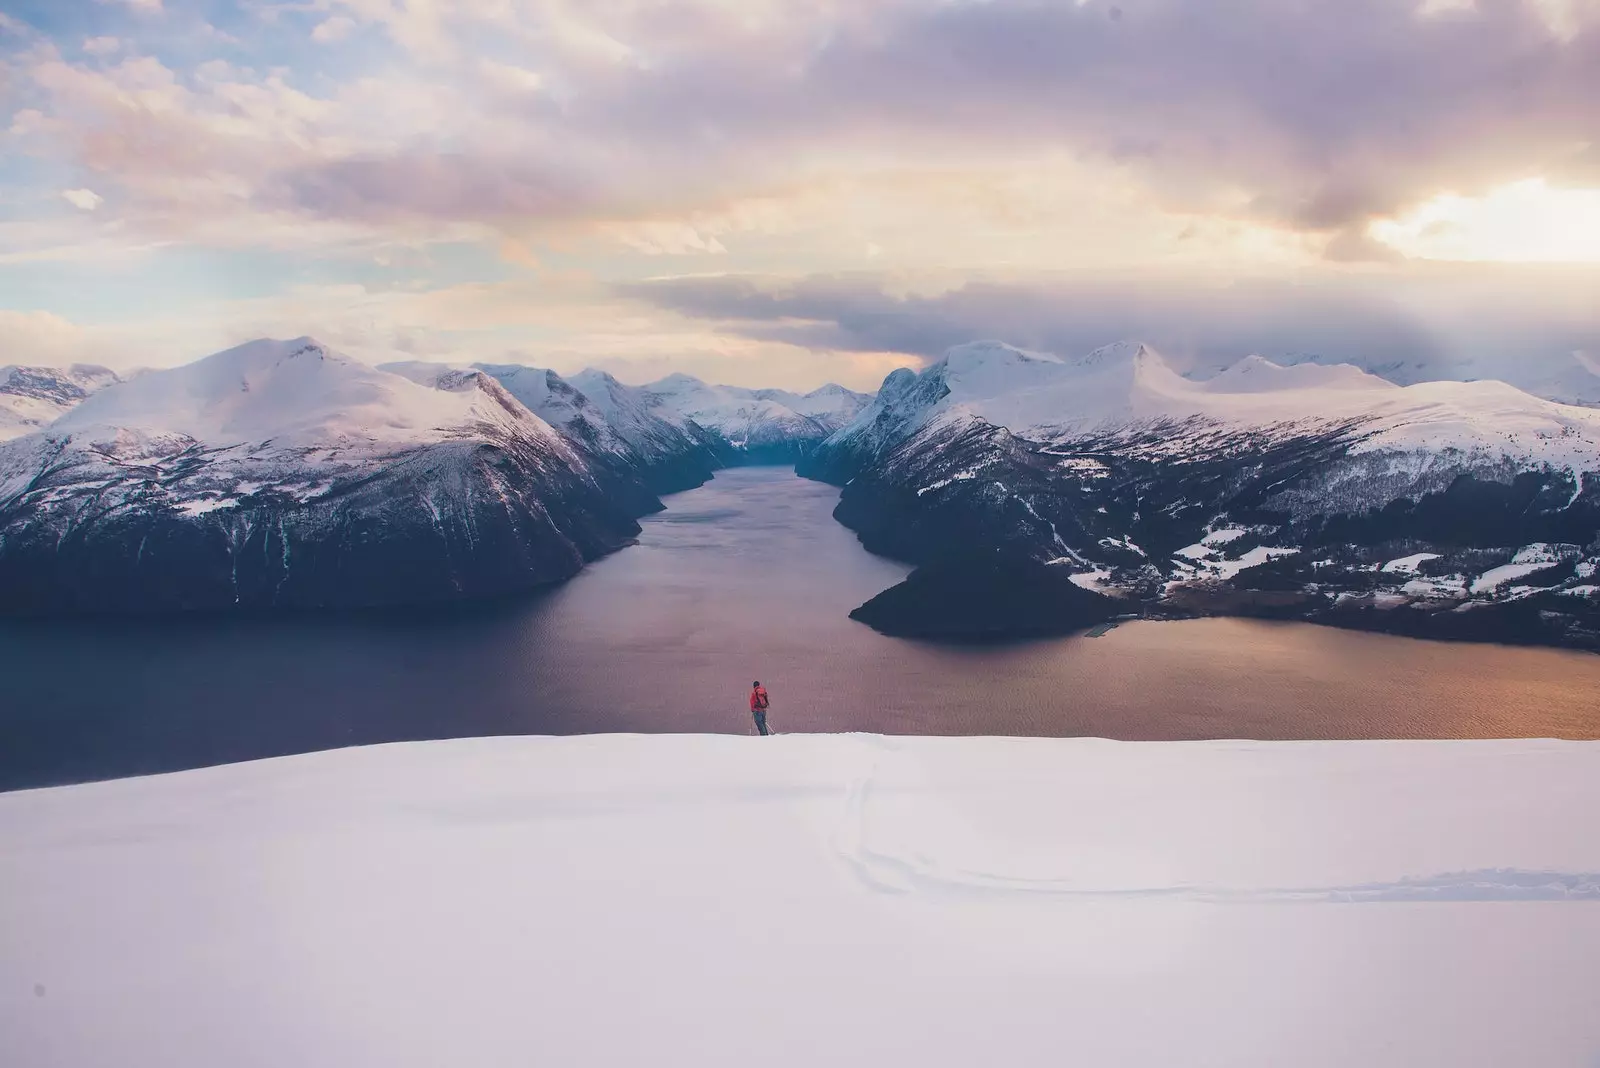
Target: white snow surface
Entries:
(1408, 565)
(1496, 577)
(542, 391)
(1047, 397)
(1257, 374)
(802, 900)
(33, 397)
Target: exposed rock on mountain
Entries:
(1265, 490)
(280, 474)
(33, 397)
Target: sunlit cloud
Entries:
(83, 199)
(1524, 222)
(335, 28)
(764, 139)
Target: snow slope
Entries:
(543, 392)
(804, 900)
(1571, 377)
(32, 397)
(611, 422)
(1257, 374)
(291, 394)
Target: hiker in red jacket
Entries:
(758, 706)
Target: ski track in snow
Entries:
(884, 871)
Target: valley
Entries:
(1035, 494)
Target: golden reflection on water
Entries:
(1254, 679)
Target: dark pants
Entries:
(761, 720)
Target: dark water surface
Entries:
(748, 577)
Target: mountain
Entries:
(759, 425)
(281, 474)
(1265, 490)
(613, 432)
(1572, 377)
(32, 397)
(680, 429)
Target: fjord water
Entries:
(746, 578)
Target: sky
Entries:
(768, 192)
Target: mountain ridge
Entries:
(1118, 469)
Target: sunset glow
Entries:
(1525, 222)
(611, 183)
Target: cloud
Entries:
(511, 78)
(334, 28)
(83, 199)
(1445, 323)
(149, 7)
(36, 337)
(1312, 116)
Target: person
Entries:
(758, 706)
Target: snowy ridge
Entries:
(33, 397)
(757, 422)
(1041, 396)
(1257, 374)
(654, 430)
(543, 392)
(291, 395)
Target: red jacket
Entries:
(758, 698)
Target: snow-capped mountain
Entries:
(280, 473)
(680, 429)
(658, 433)
(1264, 489)
(762, 425)
(832, 406)
(634, 443)
(32, 397)
(1569, 378)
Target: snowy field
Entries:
(813, 900)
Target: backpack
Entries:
(761, 700)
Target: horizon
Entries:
(763, 196)
(490, 367)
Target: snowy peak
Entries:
(983, 362)
(62, 385)
(1116, 352)
(772, 423)
(1257, 374)
(33, 397)
(293, 394)
(1129, 385)
(831, 405)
